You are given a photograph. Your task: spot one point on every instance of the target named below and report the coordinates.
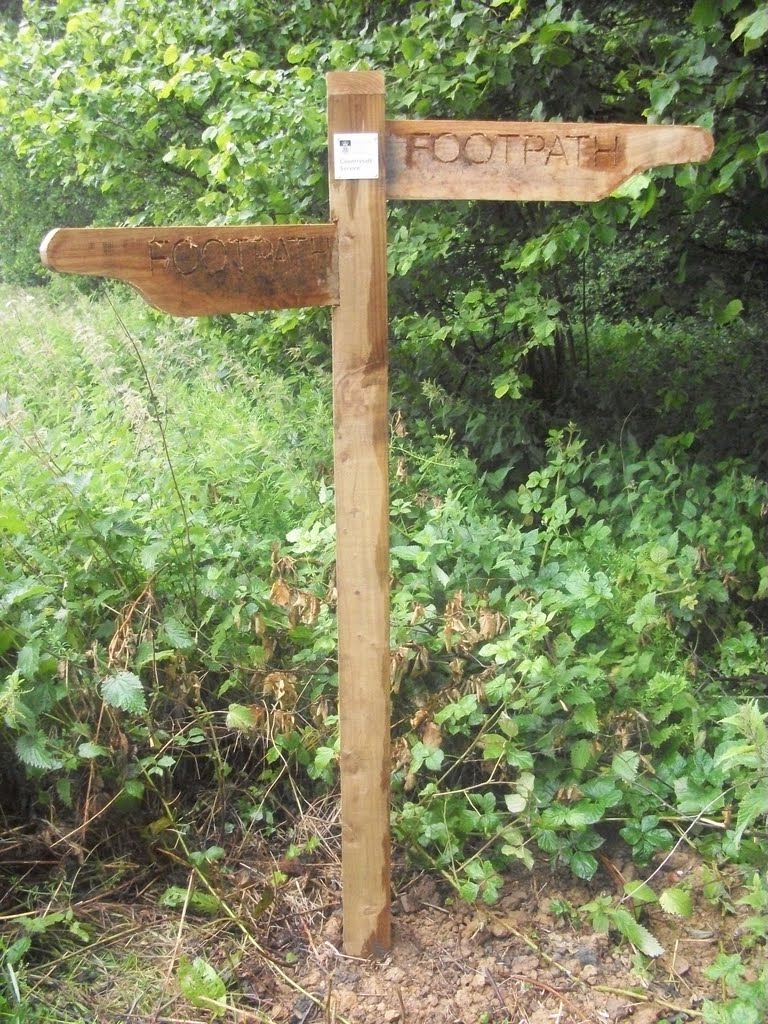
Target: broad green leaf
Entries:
(324, 757)
(640, 892)
(124, 690)
(583, 865)
(753, 27)
(705, 13)
(11, 521)
(625, 765)
(28, 660)
(730, 312)
(583, 814)
(516, 803)
(202, 986)
(177, 634)
(677, 901)
(633, 187)
(33, 751)
(586, 716)
(241, 718)
(752, 806)
(581, 625)
(582, 753)
(91, 750)
(494, 745)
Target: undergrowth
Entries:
(578, 654)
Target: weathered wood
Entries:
(529, 160)
(199, 271)
(361, 455)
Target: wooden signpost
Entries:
(191, 271)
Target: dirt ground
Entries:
(516, 962)
(275, 939)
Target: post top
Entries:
(363, 83)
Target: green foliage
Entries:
(748, 999)
(139, 553)
(578, 611)
(605, 916)
(219, 115)
(202, 986)
(561, 647)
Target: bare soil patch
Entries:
(276, 941)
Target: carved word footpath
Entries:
(529, 160)
(197, 271)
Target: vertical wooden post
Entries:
(361, 453)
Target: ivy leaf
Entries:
(676, 901)
(753, 27)
(125, 691)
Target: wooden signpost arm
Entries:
(199, 271)
(518, 160)
(361, 460)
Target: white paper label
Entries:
(356, 155)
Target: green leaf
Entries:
(202, 986)
(10, 520)
(125, 691)
(753, 27)
(176, 897)
(582, 753)
(677, 901)
(640, 892)
(516, 802)
(753, 805)
(581, 625)
(423, 754)
(625, 765)
(494, 745)
(33, 750)
(241, 718)
(633, 188)
(586, 716)
(410, 48)
(583, 865)
(583, 814)
(28, 660)
(705, 13)
(729, 312)
(635, 933)
(177, 634)
(91, 750)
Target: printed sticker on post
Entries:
(356, 155)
